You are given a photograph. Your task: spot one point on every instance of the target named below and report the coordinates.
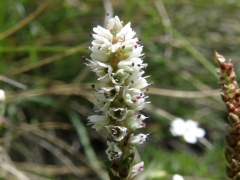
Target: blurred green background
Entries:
(49, 95)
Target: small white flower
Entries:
(188, 129)
(134, 98)
(102, 105)
(118, 114)
(107, 93)
(100, 54)
(135, 53)
(101, 41)
(101, 69)
(135, 121)
(137, 140)
(99, 122)
(177, 177)
(129, 44)
(104, 33)
(2, 95)
(137, 81)
(117, 132)
(132, 65)
(114, 25)
(137, 168)
(127, 32)
(118, 77)
(113, 151)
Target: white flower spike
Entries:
(116, 60)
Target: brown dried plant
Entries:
(230, 93)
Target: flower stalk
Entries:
(231, 97)
(116, 60)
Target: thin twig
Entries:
(62, 144)
(183, 94)
(49, 169)
(7, 165)
(167, 25)
(24, 21)
(56, 152)
(161, 112)
(48, 60)
(12, 82)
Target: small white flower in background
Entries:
(2, 95)
(188, 129)
(177, 177)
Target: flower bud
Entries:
(233, 118)
(237, 177)
(225, 97)
(229, 140)
(219, 58)
(229, 153)
(229, 129)
(237, 93)
(114, 25)
(234, 165)
(237, 144)
(230, 172)
(237, 130)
